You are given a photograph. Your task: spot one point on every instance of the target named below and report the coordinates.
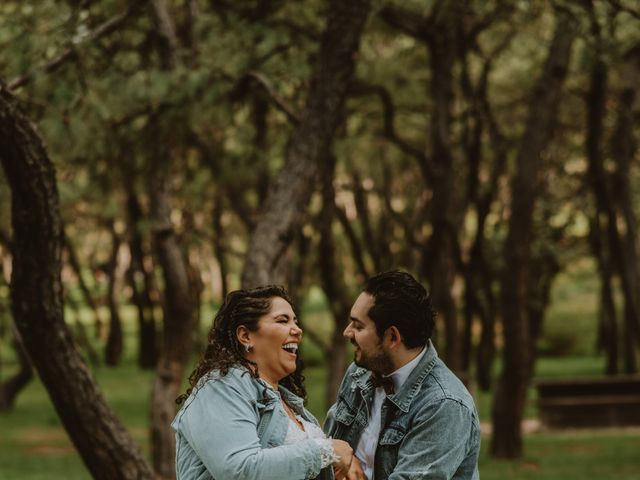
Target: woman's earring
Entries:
(248, 347)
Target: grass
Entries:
(34, 445)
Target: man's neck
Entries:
(404, 356)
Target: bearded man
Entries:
(404, 413)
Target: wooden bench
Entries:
(589, 402)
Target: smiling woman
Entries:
(243, 416)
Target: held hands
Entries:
(348, 467)
(355, 471)
(345, 453)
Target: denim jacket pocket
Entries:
(344, 414)
(392, 435)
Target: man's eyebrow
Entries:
(354, 319)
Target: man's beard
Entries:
(378, 362)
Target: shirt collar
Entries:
(400, 375)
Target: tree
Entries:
(309, 144)
(510, 396)
(36, 295)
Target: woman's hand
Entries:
(355, 471)
(345, 453)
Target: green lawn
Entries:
(34, 446)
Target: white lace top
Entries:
(311, 431)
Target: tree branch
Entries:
(104, 29)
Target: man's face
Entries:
(361, 332)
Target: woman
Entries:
(239, 421)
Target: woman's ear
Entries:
(244, 336)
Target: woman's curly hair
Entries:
(224, 351)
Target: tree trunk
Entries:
(601, 244)
(113, 350)
(179, 322)
(36, 293)
(179, 306)
(333, 285)
(308, 146)
(439, 32)
(509, 401)
(139, 279)
(623, 148)
(84, 288)
(10, 388)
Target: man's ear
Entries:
(393, 337)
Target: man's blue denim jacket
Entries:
(233, 427)
(429, 428)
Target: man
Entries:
(404, 413)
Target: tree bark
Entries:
(36, 293)
(308, 146)
(509, 401)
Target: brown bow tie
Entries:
(384, 382)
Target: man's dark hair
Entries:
(402, 302)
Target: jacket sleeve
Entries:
(220, 425)
(444, 436)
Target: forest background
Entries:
(157, 154)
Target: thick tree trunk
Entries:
(36, 293)
(309, 144)
(509, 401)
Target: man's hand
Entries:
(355, 471)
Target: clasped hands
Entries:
(348, 467)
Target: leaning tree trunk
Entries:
(105, 446)
(308, 145)
(509, 400)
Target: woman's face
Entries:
(275, 343)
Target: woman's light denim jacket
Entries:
(232, 428)
(429, 428)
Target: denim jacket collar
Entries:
(292, 400)
(403, 397)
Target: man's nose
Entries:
(348, 332)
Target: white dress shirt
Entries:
(368, 443)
